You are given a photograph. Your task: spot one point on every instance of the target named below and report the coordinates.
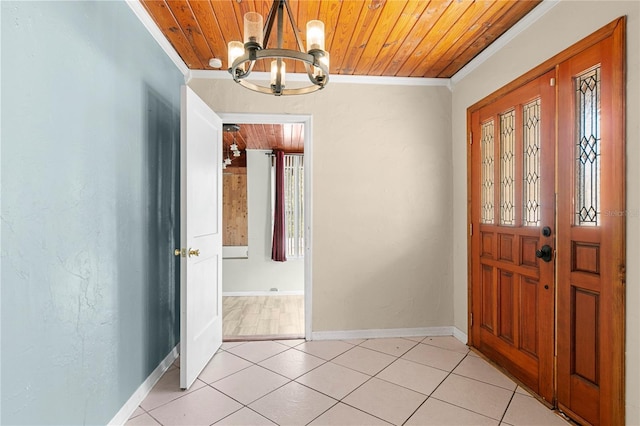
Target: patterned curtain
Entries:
(279, 244)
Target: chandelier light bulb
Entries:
(315, 35)
(275, 71)
(235, 50)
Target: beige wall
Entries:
(566, 23)
(382, 199)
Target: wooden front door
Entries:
(547, 217)
(513, 167)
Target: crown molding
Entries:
(144, 17)
(333, 78)
(528, 20)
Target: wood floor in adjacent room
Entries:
(255, 317)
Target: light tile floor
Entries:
(413, 381)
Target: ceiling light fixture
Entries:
(242, 57)
(231, 128)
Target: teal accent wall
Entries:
(89, 207)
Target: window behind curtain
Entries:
(294, 204)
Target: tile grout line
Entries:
(469, 378)
(433, 391)
(507, 407)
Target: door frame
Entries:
(617, 30)
(307, 122)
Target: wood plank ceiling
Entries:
(395, 38)
(287, 137)
(392, 38)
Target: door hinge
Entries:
(471, 319)
(552, 82)
(470, 138)
(471, 229)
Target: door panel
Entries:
(514, 165)
(591, 237)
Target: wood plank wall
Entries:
(234, 207)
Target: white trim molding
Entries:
(460, 335)
(235, 252)
(155, 32)
(381, 333)
(524, 23)
(143, 390)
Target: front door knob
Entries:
(193, 252)
(545, 253)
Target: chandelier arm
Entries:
(312, 78)
(270, 19)
(250, 69)
(293, 25)
(281, 6)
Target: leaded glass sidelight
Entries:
(507, 168)
(587, 179)
(487, 153)
(531, 163)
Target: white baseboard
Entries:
(235, 252)
(460, 335)
(143, 390)
(387, 332)
(263, 293)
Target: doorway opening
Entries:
(265, 299)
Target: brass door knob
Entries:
(178, 252)
(193, 252)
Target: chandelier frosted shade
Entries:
(243, 57)
(235, 49)
(275, 72)
(315, 35)
(253, 28)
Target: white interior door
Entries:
(200, 235)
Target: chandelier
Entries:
(242, 57)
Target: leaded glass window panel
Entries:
(487, 153)
(531, 163)
(507, 168)
(587, 179)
